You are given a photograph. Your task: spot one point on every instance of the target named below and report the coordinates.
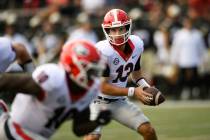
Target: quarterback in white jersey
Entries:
(123, 52)
(57, 93)
(120, 65)
(9, 52)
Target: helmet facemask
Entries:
(87, 71)
(82, 61)
(118, 39)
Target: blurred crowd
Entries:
(176, 35)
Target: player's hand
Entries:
(143, 96)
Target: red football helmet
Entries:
(82, 61)
(117, 18)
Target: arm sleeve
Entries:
(46, 75)
(19, 82)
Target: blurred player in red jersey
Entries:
(53, 94)
(9, 53)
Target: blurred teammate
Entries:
(13, 56)
(53, 94)
(10, 52)
(123, 52)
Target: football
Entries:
(158, 97)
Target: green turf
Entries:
(171, 123)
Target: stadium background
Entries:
(44, 25)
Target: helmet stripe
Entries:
(115, 15)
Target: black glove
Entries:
(82, 124)
(104, 117)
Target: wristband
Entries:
(142, 83)
(131, 91)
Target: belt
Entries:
(110, 100)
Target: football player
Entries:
(53, 94)
(9, 52)
(123, 52)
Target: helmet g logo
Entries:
(81, 51)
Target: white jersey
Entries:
(43, 116)
(121, 65)
(7, 55)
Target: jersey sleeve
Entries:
(48, 76)
(139, 42)
(101, 46)
(140, 48)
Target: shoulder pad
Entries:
(137, 41)
(49, 76)
(104, 47)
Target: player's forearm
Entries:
(18, 82)
(139, 80)
(22, 55)
(109, 89)
(23, 58)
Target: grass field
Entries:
(180, 120)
